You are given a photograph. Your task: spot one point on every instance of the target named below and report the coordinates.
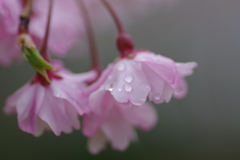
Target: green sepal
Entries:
(33, 56)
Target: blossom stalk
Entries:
(91, 39)
(124, 40)
(46, 36)
(40, 62)
(25, 17)
(116, 19)
(27, 9)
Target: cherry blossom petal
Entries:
(119, 132)
(91, 123)
(182, 90)
(186, 69)
(28, 106)
(53, 113)
(14, 98)
(97, 142)
(144, 116)
(163, 66)
(128, 83)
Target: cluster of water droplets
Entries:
(128, 79)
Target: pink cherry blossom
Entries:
(114, 122)
(184, 69)
(55, 106)
(65, 27)
(144, 75)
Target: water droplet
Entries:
(146, 86)
(121, 67)
(120, 89)
(58, 95)
(157, 96)
(128, 78)
(128, 87)
(109, 87)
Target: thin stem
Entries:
(27, 9)
(115, 17)
(91, 38)
(46, 36)
(124, 41)
(25, 17)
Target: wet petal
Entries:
(186, 69)
(144, 116)
(128, 84)
(182, 90)
(118, 130)
(28, 106)
(163, 66)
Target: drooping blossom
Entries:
(40, 105)
(65, 27)
(144, 74)
(113, 122)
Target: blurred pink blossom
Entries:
(145, 75)
(9, 21)
(114, 122)
(55, 106)
(65, 27)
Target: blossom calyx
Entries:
(32, 55)
(125, 44)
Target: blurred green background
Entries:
(203, 125)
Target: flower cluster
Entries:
(69, 28)
(112, 102)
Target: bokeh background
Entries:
(203, 125)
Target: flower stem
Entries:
(115, 17)
(91, 39)
(46, 36)
(25, 17)
(124, 40)
(27, 9)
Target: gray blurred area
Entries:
(203, 125)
